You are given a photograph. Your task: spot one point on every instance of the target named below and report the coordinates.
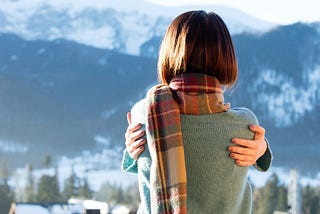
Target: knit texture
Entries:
(215, 183)
(168, 181)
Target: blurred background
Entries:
(70, 70)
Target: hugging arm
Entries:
(252, 152)
(245, 153)
(135, 144)
(134, 138)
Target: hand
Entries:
(249, 151)
(134, 141)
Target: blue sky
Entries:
(277, 11)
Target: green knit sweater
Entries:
(215, 183)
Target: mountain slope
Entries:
(280, 80)
(57, 96)
(62, 97)
(106, 24)
(287, 60)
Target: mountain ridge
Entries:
(58, 96)
(121, 27)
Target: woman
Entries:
(186, 165)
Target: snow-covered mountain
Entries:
(62, 98)
(123, 26)
(288, 62)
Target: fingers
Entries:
(135, 145)
(243, 163)
(244, 143)
(129, 118)
(136, 148)
(258, 131)
(135, 153)
(242, 160)
(246, 152)
(259, 134)
(132, 129)
(133, 135)
(241, 150)
(241, 157)
(134, 141)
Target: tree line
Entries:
(273, 196)
(48, 191)
(266, 199)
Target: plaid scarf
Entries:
(188, 93)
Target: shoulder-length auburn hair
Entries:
(197, 41)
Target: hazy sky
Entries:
(278, 11)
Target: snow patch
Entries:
(14, 57)
(97, 168)
(102, 140)
(107, 24)
(12, 147)
(103, 37)
(108, 113)
(41, 51)
(29, 208)
(285, 102)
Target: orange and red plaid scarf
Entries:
(188, 93)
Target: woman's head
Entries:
(197, 41)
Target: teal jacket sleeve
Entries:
(129, 164)
(137, 116)
(264, 162)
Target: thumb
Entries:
(259, 131)
(129, 118)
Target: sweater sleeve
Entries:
(264, 162)
(129, 164)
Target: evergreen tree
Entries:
(29, 189)
(4, 171)
(131, 195)
(70, 187)
(84, 190)
(110, 193)
(103, 193)
(47, 161)
(311, 200)
(115, 194)
(282, 204)
(48, 190)
(256, 199)
(269, 196)
(6, 196)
